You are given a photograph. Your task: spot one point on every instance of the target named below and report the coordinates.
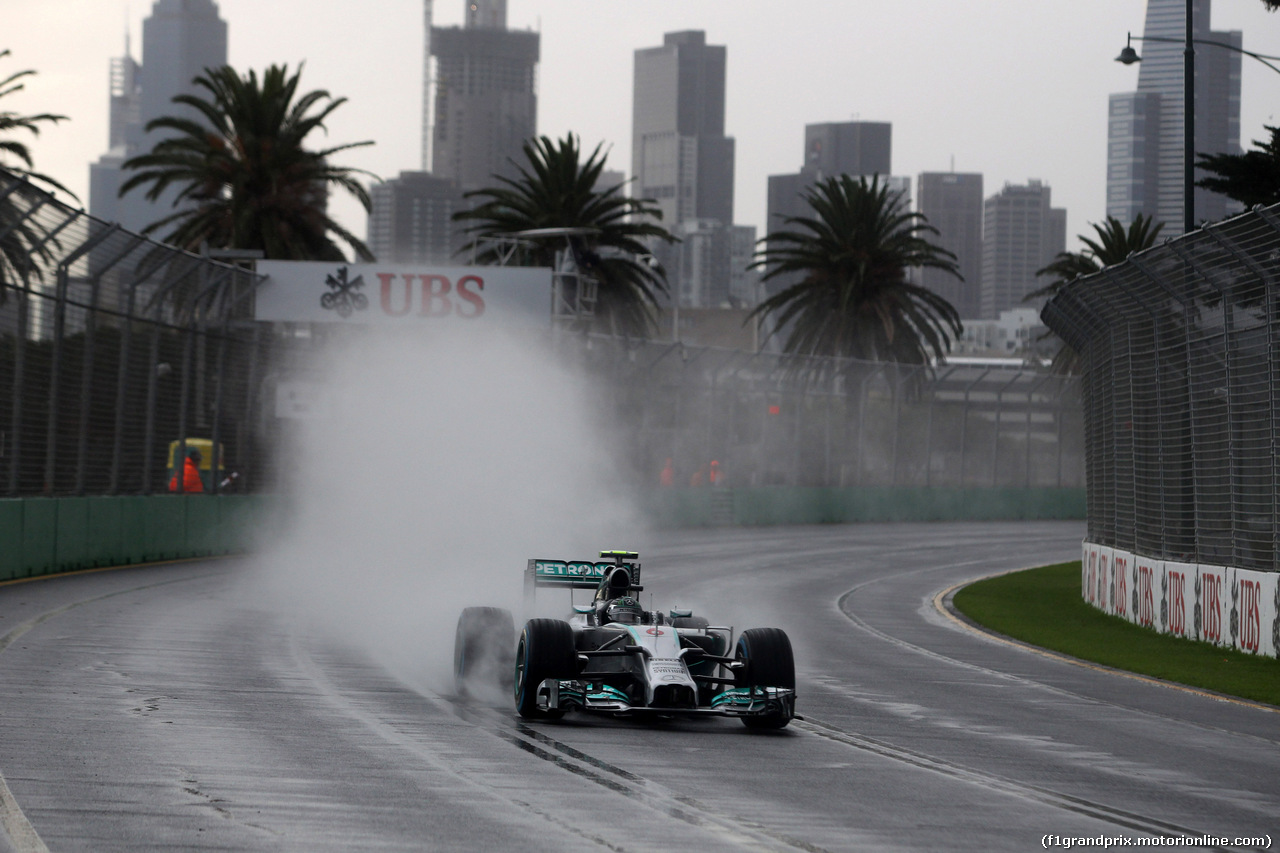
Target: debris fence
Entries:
(1181, 371)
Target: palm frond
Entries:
(556, 188)
(851, 298)
(244, 176)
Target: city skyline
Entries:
(993, 98)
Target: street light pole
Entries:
(1189, 129)
(1128, 56)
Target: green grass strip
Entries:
(1044, 607)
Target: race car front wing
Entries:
(568, 695)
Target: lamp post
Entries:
(1129, 56)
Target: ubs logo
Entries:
(1145, 596)
(1212, 611)
(344, 296)
(1120, 583)
(1177, 603)
(1250, 616)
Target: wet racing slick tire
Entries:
(546, 650)
(482, 649)
(767, 662)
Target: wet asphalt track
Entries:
(151, 709)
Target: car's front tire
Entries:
(545, 650)
(767, 661)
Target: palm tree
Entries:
(555, 189)
(1114, 245)
(22, 236)
(1249, 178)
(244, 178)
(853, 299)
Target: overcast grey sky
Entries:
(1014, 90)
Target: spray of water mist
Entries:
(441, 466)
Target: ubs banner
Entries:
(1222, 605)
(391, 294)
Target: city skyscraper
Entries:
(1021, 233)
(1145, 137)
(681, 158)
(411, 219)
(679, 154)
(848, 148)
(952, 203)
(180, 39)
(833, 148)
(486, 102)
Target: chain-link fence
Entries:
(112, 347)
(1181, 372)
(768, 419)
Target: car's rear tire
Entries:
(767, 661)
(545, 651)
(482, 650)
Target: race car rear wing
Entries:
(578, 574)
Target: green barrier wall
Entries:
(786, 505)
(40, 536)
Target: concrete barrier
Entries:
(792, 505)
(40, 536)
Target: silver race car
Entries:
(614, 657)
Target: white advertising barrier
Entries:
(1255, 599)
(1121, 565)
(1084, 571)
(391, 294)
(1104, 580)
(1235, 608)
(1177, 616)
(1143, 610)
(1210, 621)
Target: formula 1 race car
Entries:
(613, 657)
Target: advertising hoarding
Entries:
(396, 294)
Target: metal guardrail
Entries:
(111, 347)
(1180, 389)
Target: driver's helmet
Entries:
(625, 611)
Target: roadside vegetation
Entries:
(843, 268)
(1044, 607)
(22, 236)
(558, 192)
(243, 176)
